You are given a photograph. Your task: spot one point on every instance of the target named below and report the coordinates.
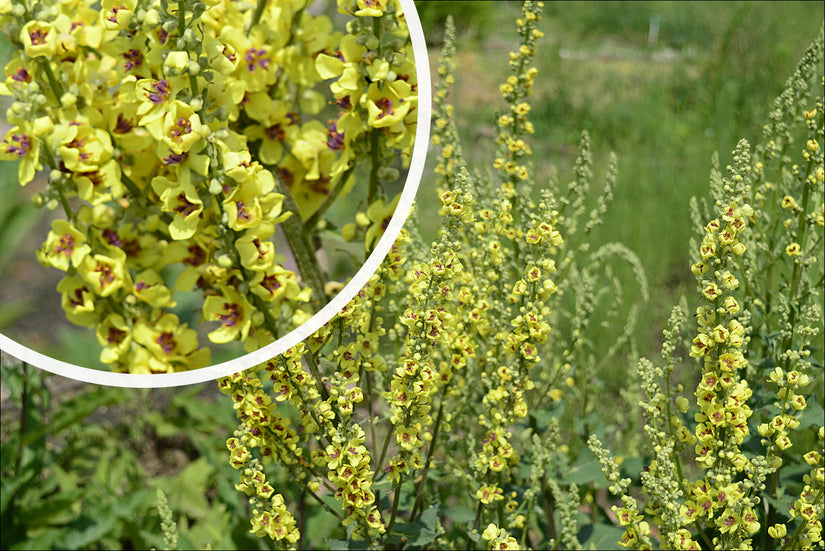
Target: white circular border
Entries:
(402, 210)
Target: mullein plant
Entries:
(425, 413)
(179, 137)
(739, 463)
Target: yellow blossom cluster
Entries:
(180, 135)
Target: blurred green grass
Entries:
(663, 103)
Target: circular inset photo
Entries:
(190, 188)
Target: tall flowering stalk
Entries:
(179, 137)
(759, 272)
(434, 388)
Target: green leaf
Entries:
(346, 545)
(45, 539)
(74, 411)
(52, 509)
(106, 518)
(187, 491)
(419, 533)
(600, 536)
(584, 470)
(460, 514)
(812, 415)
(163, 427)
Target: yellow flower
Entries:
(233, 312)
(388, 105)
(105, 274)
(789, 202)
(64, 244)
(38, 39)
(20, 144)
(711, 291)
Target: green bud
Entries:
(152, 18)
(388, 174)
(68, 100)
(215, 187)
(224, 261)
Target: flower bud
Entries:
(68, 100)
(151, 18)
(176, 62)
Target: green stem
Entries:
(298, 243)
(386, 445)
(57, 89)
(796, 275)
(130, 185)
(430, 451)
(313, 220)
(24, 398)
(372, 191)
(477, 519)
(395, 500)
(303, 482)
(256, 16)
(793, 541)
(316, 374)
(368, 378)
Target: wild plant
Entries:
(180, 137)
(427, 413)
(740, 464)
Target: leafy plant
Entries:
(440, 409)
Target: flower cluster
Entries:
(722, 394)
(498, 538)
(180, 136)
(325, 405)
(756, 272)
(454, 336)
(514, 126)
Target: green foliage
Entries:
(473, 19)
(79, 471)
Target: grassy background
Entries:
(663, 104)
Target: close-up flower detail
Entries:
(205, 127)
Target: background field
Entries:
(663, 103)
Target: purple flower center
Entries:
(134, 58)
(233, 315)
(38, 37)
(256, 57)
(185, 207)
(65, 246)
(24, 145)
(21, 75)
(167, 342)
(115, 335)
(174, 158)
(123, 125)
(385, 105)
(159, 92)
(335, 139)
